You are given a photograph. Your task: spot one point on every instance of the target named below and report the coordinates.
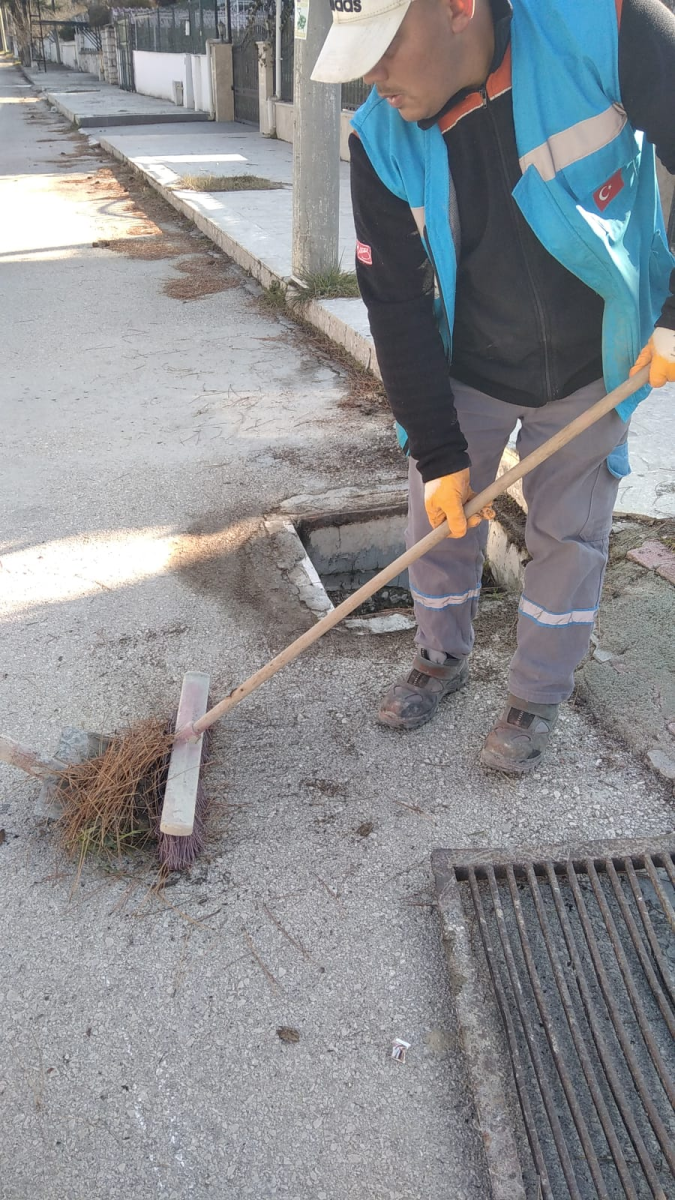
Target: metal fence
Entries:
(183, 29)
(125, 35)
(353, 94)
(90, 34)
(245, 73)
(286, 81)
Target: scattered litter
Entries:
(287, 1034)
(365, 829)
(603, 656)
(399, 1049)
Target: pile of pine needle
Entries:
(112, 804)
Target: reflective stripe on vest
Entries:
(570, 145)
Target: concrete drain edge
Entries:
(383, 510)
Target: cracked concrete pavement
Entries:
(146, 438)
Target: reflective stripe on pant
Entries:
(570, 500)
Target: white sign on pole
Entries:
(301, 19)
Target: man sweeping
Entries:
(512, 256)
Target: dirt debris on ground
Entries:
(365, 393)
(205, 277)
(150, 236)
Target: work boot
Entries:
(413, 701)
(520, 737)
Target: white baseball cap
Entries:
(361, 32)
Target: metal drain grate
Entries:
(575, 949)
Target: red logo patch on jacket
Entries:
(609, 190)
(364, 254)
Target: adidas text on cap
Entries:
(359, 36)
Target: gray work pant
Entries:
(570, 499)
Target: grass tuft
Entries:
(274, 297)
(225, 183)
(332, 284)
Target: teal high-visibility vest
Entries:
(588, 188)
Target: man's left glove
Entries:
(659, 356)
(444, 500)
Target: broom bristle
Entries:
(113, 803)
(179, 853)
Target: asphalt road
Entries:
(145, 435)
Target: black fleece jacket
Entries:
(526, 330)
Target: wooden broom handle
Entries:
(18, 755)
(437, 535)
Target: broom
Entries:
(146, 786)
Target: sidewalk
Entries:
(86, 100)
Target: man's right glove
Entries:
(659, 356)
(444, 499)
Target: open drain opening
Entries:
(396, 599)
(348, 549)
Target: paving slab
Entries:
(649, 491)
(86, 100)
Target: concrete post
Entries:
(222, 80)
(109, 54)
(188, 89)
(266, 89)
(316, 150)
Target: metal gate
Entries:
(125, 53)
(245, 74)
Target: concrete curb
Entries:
(97, 120)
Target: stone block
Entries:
(654, 556)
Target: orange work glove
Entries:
(444, 499)
(659, 356)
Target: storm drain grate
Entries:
(575, 951)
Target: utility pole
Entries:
(316, 148)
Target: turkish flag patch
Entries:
(609, 190)
(364, 254)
